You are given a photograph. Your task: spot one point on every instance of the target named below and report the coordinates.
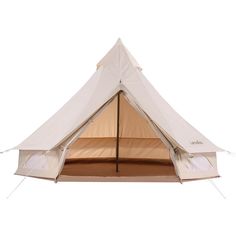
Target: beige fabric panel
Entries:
(103, 125)
(97, 91)
(143, 148)
(132, 123)
(92, 147)
(39, 163)
(128, 148)
(196, 166)
(186, 136)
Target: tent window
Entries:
(37, 162)
(198, 162)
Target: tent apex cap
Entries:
(119, 41)
(117, 49)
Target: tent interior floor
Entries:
(130, 170)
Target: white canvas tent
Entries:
(117, 128)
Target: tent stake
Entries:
(118, 131)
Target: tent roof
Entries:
(118, 70)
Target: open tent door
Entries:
(118, 142)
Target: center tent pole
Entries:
(118, 131)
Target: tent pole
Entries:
(118, 131)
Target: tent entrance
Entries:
(118, 142)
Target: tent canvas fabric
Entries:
(117, 127)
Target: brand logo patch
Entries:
(196, 142)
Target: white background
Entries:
(48, 50)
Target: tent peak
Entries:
(119, 42)
(117, 55)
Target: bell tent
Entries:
(117, 127)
